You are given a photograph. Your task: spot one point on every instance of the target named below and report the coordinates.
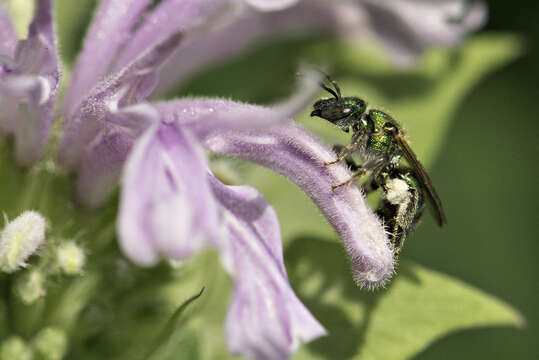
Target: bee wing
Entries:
(424, 178)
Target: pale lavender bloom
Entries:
(190, 212)
(29, 82)
(405, 28)
(171, 205)
(408, 27)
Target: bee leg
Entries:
(370, 185)
(355, 176)
(362, 170)
(352, 165)
(343, 153)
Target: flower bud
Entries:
(51, 343)
(70, 258)
(20, 239)
(14, 348)
(30, 287)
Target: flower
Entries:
(171, 205)
(405, 28)
(29, 83)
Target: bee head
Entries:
(343, 112)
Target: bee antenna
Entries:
(331, 91)
(337, 89)
(337, 92)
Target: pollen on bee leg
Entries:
(21, 238)
(397, 191)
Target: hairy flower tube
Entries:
(171, 206)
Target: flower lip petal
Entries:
(166, 173)
(265, 320)
(105, 156)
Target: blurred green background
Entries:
(488, 173)
(477, 135)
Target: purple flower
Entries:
(29, 81)
(171, 205)
(405, 28)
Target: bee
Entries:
(380, 143)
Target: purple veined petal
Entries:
(167, 208)
(294, 152)
(167, 17)
(8, 39)
(249, 28)
(125, 88)
(271, 5)
(110, 29)
(407, 28)
(105, 156)
(265, 319)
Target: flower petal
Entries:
(167, 17)
(128, 87)
(265, 320)
(30, 83)
(104, 157)
(8, 39)
(270, 5)
(111, 27)
(294, 152)
(407, 28)
(166, 206)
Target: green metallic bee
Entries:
(380, 143)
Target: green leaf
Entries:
(418, 307)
